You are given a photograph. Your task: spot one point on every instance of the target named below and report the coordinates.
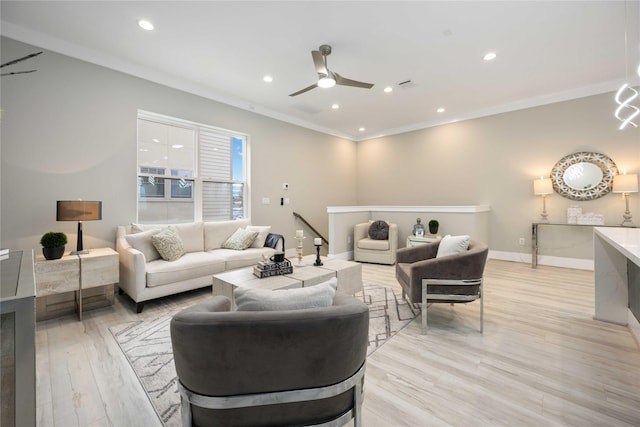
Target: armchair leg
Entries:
(481, 309)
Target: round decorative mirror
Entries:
(583, 176)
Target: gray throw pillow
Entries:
(255, 299)
(240, 240)
(379, 230)
(168, 244)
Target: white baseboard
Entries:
(577, 263)
(347, 256)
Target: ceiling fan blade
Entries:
(348, 82)
(306, 89)
(318, 61)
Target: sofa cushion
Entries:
(217, 232)
(240, 240)
(142, 242)
(192, 236)
(255, 299)
(450, 245)
(249, 257)
(379, 230)
(168, 243)
(263, 231)
(190, 266)
(376, 245)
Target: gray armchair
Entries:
(456, 278)
(268, 368)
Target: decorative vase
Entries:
(53, 253)
(433, 228)
(418, 228)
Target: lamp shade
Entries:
(78, 210)
(542, 186)
(625, 183)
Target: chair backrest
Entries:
(237, 353)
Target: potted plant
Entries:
(433, 226)
(53, 244)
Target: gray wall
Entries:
(69, 131)
(494, 160)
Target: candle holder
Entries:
(318, 262)
(299, 249)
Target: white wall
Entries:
(69, 131)
(494, 160)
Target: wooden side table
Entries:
(421, 240)
(74, 273)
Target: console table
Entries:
(421, 240)
(534, 235)
(75, 273)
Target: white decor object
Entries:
(543, 187)
(626, 184)
(572, 214)
(590, 219)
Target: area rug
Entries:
(147, 346)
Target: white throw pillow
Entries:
(252, 299)
(142, 242)
(168, 244)
(240, 240)
(263, 231)
(450, 245)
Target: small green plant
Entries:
(53, 240)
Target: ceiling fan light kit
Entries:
(327, 78)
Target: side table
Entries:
(74, 273)
(421, 240)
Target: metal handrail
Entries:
(298, 216)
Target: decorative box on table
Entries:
(270, 268)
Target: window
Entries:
(189, 172)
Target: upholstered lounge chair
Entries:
(271, 368)
(379, 251)
(456, 278)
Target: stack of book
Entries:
(270, 268)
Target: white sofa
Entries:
(144, 280)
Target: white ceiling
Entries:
(547, 52)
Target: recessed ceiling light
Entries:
(489, 56)
(177, 146)
(440, 110)
(362, 129)
(267, 79)
(155, 140)
(145, 25)
(388, 89)
(335, 106)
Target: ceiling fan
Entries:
(15, 61)
(326, 77)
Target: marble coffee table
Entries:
(349, 276)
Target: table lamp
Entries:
(78, 210)
(543, 187)
(626, 184)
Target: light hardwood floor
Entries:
(542, 361)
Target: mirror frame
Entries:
(606, 165)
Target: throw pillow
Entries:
(450, 245)
(142, 242)
(252, 299)
(263, 231)
(240, 240)
(168, 244)
(379, 230)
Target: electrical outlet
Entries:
(522, 241)
(349, 239)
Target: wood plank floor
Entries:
(542, 360)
